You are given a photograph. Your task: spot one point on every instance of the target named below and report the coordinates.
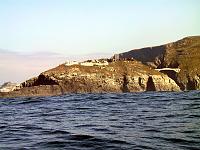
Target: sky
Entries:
(87, 27)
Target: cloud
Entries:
(18, 67)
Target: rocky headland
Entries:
(183, 55)
(171, 67)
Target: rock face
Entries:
(132, 71)
(119, 76)
(183, 54)
(41, 90)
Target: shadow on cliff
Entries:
(124, 87)
(145, 55)
(44, 80)
(150, 85)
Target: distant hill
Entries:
(149, 55)
(183, 54)
(7, 87)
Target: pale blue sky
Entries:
(73, 27)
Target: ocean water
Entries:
(149, 120)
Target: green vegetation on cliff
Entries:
(183, 54)
(119, 76)
(134, 71)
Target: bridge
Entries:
(169, 69)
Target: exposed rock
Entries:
(40, 80)
(183, 54)
(124, 76)
(41, 90)
(164, 83)
(120, 76)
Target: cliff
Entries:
(170, 67)
(183, 54)
(119, 76)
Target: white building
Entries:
(8, 87)
(87, 64)
(94, 63)
(70, 63)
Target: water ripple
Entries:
(149, 120)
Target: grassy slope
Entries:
(184, 54)
(118, 67)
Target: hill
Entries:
(119, 76)
(7, 87)
(170, 67)
(183, 54)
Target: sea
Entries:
(106, 121)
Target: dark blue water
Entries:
(102, 121)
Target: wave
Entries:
(148, 120)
